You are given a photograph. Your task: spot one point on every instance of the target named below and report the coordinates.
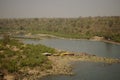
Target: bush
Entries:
(6, 39)
(31, 56)
(33, 61)
(10, 65)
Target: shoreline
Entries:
(103, 40)
(112, 42)
(61, 65)
(45, 36)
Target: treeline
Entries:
(82, 27)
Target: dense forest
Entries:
(82, 27)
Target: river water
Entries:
(92, 47)
(85, 70)
(90, 71)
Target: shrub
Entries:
(31, 56)
(6, 39)
(10, 65)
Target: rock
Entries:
(85, 54)
(28, 35)
(97, 38)
(66, 53)
(56, 54)
(8, 46)
(14, 48)
(93, 55)
(47, 54)
(1, 51)
(1, 76)
(9, 77)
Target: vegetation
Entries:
(19, 58)
(82, 27)
(15, 56)
(6, 39)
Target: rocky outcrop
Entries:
(97, 38)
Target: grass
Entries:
(62, 34)
(15, 55)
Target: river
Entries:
(90, 71)
(92, 47)
(85, 70)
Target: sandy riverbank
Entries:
(61, 65)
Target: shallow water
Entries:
(90, 71)
(85, 70)
(92, 47)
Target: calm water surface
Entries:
(85, 70)
(90, 71)
(92, 47)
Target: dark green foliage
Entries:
(82, 27)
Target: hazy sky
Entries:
(58, 8)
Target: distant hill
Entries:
(82, 27)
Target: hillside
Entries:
(82, 27)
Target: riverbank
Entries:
(97, 38)
(18, 60)
(81, 27)
(62, 64)
(40, 36)
(26, 62)
(44, 36)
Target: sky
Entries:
(58, 8)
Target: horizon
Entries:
(58, 8)
(59, 17)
